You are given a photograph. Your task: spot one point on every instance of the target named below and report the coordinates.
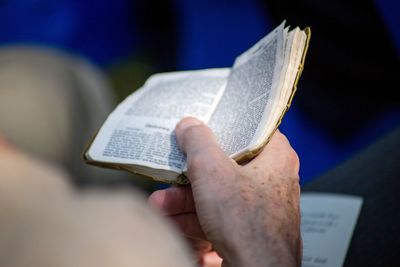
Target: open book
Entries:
(243, 105)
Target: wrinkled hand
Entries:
(249, 214)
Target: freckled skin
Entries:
(249, 213)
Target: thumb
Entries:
(205, 158)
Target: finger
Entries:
(189, 224)
(279, 151)
(173, 200)
(211, 259)
(193, 135)
(204, 156)
(200, 249)
(199, 246)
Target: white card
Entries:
(327, 225)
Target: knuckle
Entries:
(281, 137)
(287, 163)
(293, 158)
(293, 162)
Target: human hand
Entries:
(250, 214)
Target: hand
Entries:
(250, 213)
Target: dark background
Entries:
(347, 95)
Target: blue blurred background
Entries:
(354, 51)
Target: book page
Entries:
(141, 129)
(293, 50)
(250, 88)
(327, 224)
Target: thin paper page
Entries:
(140, 130)
(249, 89)
(327, 225)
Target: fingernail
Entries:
(188, 122)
